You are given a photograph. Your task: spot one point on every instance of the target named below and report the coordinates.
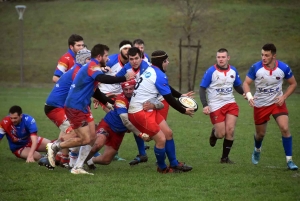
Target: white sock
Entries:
(90, 162)
(83, 154)
(258, 150)
(288, 158)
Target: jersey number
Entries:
(138, 83)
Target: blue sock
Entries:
(287, 145)
(73, 154)
(140, 144)
(160, 157)
(171, 153)
(257, 143)
(96, 154)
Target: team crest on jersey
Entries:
(147, 74)
(232, 76)
(277, 78)
(262, 77)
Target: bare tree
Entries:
(189, 22)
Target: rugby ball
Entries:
(188, 102)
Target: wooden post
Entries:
(180, 67)
(196, 64)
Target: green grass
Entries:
(242, 26)
(209, 180)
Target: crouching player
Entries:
(111, 130)
(21, 133)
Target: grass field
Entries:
(242, 26)
(209, 180)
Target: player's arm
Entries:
(291, 88)
(202, 93)
(100, 96)
(175, 93)
(55, 78)
(34, 139)
(246, 87)
(153, 104)
(108, 79)
(174, 104)
(239, 89)
(128, 124)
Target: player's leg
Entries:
(171, 148)
(142, 156)
(24, 154)
(282, 120)
(85, 150)
(112, 145)
(107, 156)
(217, 118)
(230, 122)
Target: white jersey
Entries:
(219, 86)
(150, 84)
(268, 82)
(115, 65)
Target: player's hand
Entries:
(105, 69)
(189, 111)
(130, 75)
(279, 100)
(30, 159)
(148, 106)
(145, 137)
(206, 110)
(96, 103)
(109, 106)
(189, 94)
(251, 102)
(245, 97)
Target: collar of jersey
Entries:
(94, 60)
(268, 69)
(71, 53)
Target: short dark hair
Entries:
(269, 47)
(221, 50)
(138, 41)
(99, 49)
(15, 109)
(125, 42)
(74, 38)
(133, 51)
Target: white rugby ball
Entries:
(188, 102)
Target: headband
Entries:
(124, 46)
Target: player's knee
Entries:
(169, 134)
(229, 131)
(284, 130)
(220, 134)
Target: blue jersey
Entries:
(143, 66)
(112, 118)
(59, 93)
(83, 86)
(18, 136)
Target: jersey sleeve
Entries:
(95, 70)
(206, 80)
(30, 124)
(287, 72)
(121, 105)
(162, 84)
(237, 81)
(62, 66)
(252, 72)
(2, 131)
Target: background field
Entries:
(209, 180)
(242, 26)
